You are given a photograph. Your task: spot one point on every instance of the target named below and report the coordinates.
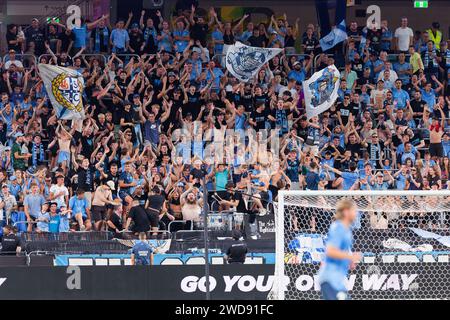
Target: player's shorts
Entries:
(329, 293)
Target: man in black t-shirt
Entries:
(11, 244)
(258, 117)
(199, 28)
(66, 40)
(115, 219)
(140, 218)
(36, 35)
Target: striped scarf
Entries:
(38, 154)
(428, 59)
(98, 45)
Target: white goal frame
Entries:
(278, 288)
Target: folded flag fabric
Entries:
(336, 36)
(321, 91)
(244, 62)
(331, 36)
(64, 87)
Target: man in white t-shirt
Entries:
(404, 36)
(59, 192)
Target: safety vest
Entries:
(436, 39)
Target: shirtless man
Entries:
(64, 139)
(190, 206)
(436, 132)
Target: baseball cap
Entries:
(296, 63)
(12, 178)
(18, 134)
(134, 25)
(171, 74)
(111, 185)
(4, 185)
(196, 49)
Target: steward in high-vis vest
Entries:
(435, 34)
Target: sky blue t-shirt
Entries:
(142, 251)
(80, 36)
(34, 203)
(400, 97)
(349, 179)
(401, 182)
(78, 205)
(43, 225)
(402, 67)
(429, 98)
(299, 76)
(53, 225)
(335, 271)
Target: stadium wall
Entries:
(228, 282)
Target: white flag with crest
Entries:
(65, 89)
(244, 62)
(321, 91)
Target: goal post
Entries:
(403, 236)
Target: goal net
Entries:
(403, 237)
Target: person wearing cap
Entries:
(382, 181)
(102, 197)
(36, 35)
(15, 188)
(59, 192)
(9, 202)
(54, 218)
(136, 39)
(298, 73)
(11, 59)
(19, 159)
(237, 251)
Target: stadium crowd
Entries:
(157, 92)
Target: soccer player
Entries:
(339, 258)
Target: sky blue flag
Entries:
(332, 36)
(337, 35)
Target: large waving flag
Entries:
(244, 62)
(321, 91)
(331, 36)
(65, 89)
